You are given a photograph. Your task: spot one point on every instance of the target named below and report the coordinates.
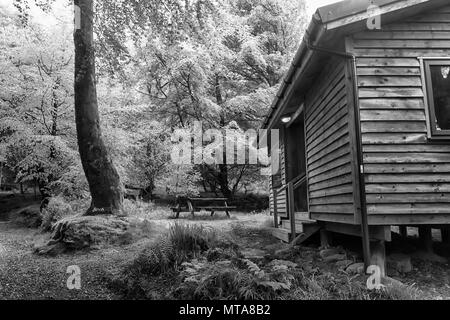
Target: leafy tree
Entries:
(150, 159)
(39, 159)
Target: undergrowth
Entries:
(195, 263)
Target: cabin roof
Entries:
(327, 30)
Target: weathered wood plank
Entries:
(409, 219)
(331, 182)
(331, 191)
(400, 53)
(387, 62)
(333, 208)
(402, 44)
(320, 144)
(335, 109)
(381, 92)
(324, 148)
(389, 71)
(342, 151)
(407, 148)
(409, 208)
(324, 133)
(394, 138)
(389, 115)
(395, 126)
(401, 35)
(334, 89)
(408, 178)
(418, 27)
(344, 160)
(335, 200)
(407, 104)
(389, 81)
(408, 188)
(411, 157)
(407, 168)
(409, 198)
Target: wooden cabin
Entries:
(364, 116)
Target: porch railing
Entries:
(290, 187)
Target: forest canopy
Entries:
(161, 65)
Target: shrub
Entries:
(239, 279)
(190, 240)
(164, 257)
(56, 209)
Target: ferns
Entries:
(239, 279)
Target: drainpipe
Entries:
(359, 148)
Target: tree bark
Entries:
(104, 182)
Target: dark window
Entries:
(437, 74)
(277, 179)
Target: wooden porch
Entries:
(298, 226)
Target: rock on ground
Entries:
(356, 268)
(81, 232)
(329, 252)
(335, 257)
(343, 264)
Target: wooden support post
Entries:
(275, 210)
(403, 231)
(291, 212)
(378, 255)
(325, 238)
(445, 235)
(426, 238)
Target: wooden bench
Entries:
(193, 205)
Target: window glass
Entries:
(440, 79)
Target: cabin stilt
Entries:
(426, 238)
(378, 255)
(403, 231)
(325, 238)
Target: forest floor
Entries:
(24, 275)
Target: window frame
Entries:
(427, 83)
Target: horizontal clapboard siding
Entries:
(329, 156)
(281, 199)
(407, 176)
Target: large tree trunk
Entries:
(104, 181)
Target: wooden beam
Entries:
(325, 238)
(375, 232)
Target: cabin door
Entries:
(296, 161)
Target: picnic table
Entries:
(192, 205)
